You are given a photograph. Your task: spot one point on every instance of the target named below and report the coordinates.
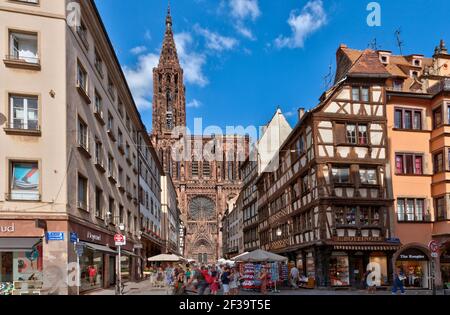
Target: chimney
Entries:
(343, 46)
(301, 113)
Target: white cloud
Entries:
(191, 61)
(242, 9)
(244, 31)
(215, 41)
(311, 18)
(138, 50)
(194, 104)
(140, 80)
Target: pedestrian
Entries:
(215, 284)
(92, 275)
(200, 280)
(399, 277)
(234, 281)
(225, 280)
(188, 273)
(263, 277)
(294, 276)
(160, 278)
(179, 284)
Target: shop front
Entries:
(32, 257)
(445, 266)
(98, 259)
(414, 262)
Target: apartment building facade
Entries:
(171, 216)
(69, 149)
(418, 102)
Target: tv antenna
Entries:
(374, 44)
(328, 77)
(400, 43)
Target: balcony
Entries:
(121, 148)
(112, 178)
(99, 164)
(442, 86)
(84, 147)
(98, 113)
(111, 134)
(21, 128)
(22, 62)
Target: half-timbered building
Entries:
(327, 206)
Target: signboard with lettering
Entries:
(79, 249)
(7, 228)
(357, 239)
(93, 237)
(54, 236)
(413, 254)
(73, 237)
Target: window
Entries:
(409, 164)
(98, 63)
(110, 121)
(82, 192)
(83, 134)
(408, 119)
(121, 218)
(305, 184)
(24, 112)
(357, 134)
(119, 138)
(231, 173)
(300, 146)
(368, 176)
(361, 94)
(110, 166)
(121, 183)
(441, 209)
(341, 175)
(98, 203)
(398, 85)
(438, 161)
(194, 169)
(120, 108)
(112, 210)
(82, 78)
(111, 89)
(411, 210)
(99, 153)
(83, 33)
(24, 181)
(437, 118)
(98, 103)
(23, 47)
(206, 169)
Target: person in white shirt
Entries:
(294, 277)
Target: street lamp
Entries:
(279, 232)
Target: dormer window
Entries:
(415, 74)
(417, 62)
(384, 59)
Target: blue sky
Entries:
(243, 58)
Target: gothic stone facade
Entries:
(205, 186)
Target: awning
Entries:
(127, 253)
(18, 244)
(366, 247)
(99, 248)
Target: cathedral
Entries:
(205, 169)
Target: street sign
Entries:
(55, 236)
(79, 249)
(434, 255)
(138, 246)
(73, 237)
(120, 240)
(434, 246)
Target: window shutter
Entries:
(340, 133)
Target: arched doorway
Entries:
(445, 265)
(414, 260)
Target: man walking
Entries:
(294, 276)
(399, 277)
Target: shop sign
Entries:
(73, 237)
(413, 255)
(94, 237)
(79, 249)
(357, 239)
(8, 228)
(55, 236)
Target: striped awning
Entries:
(366, 247)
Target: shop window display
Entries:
(310, 266)
(415, 272)
(91, 266)
(125, 267)
(382, 262)
(339, 270)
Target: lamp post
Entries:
(279, 234)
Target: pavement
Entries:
(144, 288)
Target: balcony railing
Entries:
(23, 196)
(21, 127)
(442, 86)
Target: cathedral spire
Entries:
(169, 54)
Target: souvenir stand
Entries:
(251, 265)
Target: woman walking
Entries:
(234, 282)
(263, 277)
(214, 286)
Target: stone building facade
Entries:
(204, 169)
